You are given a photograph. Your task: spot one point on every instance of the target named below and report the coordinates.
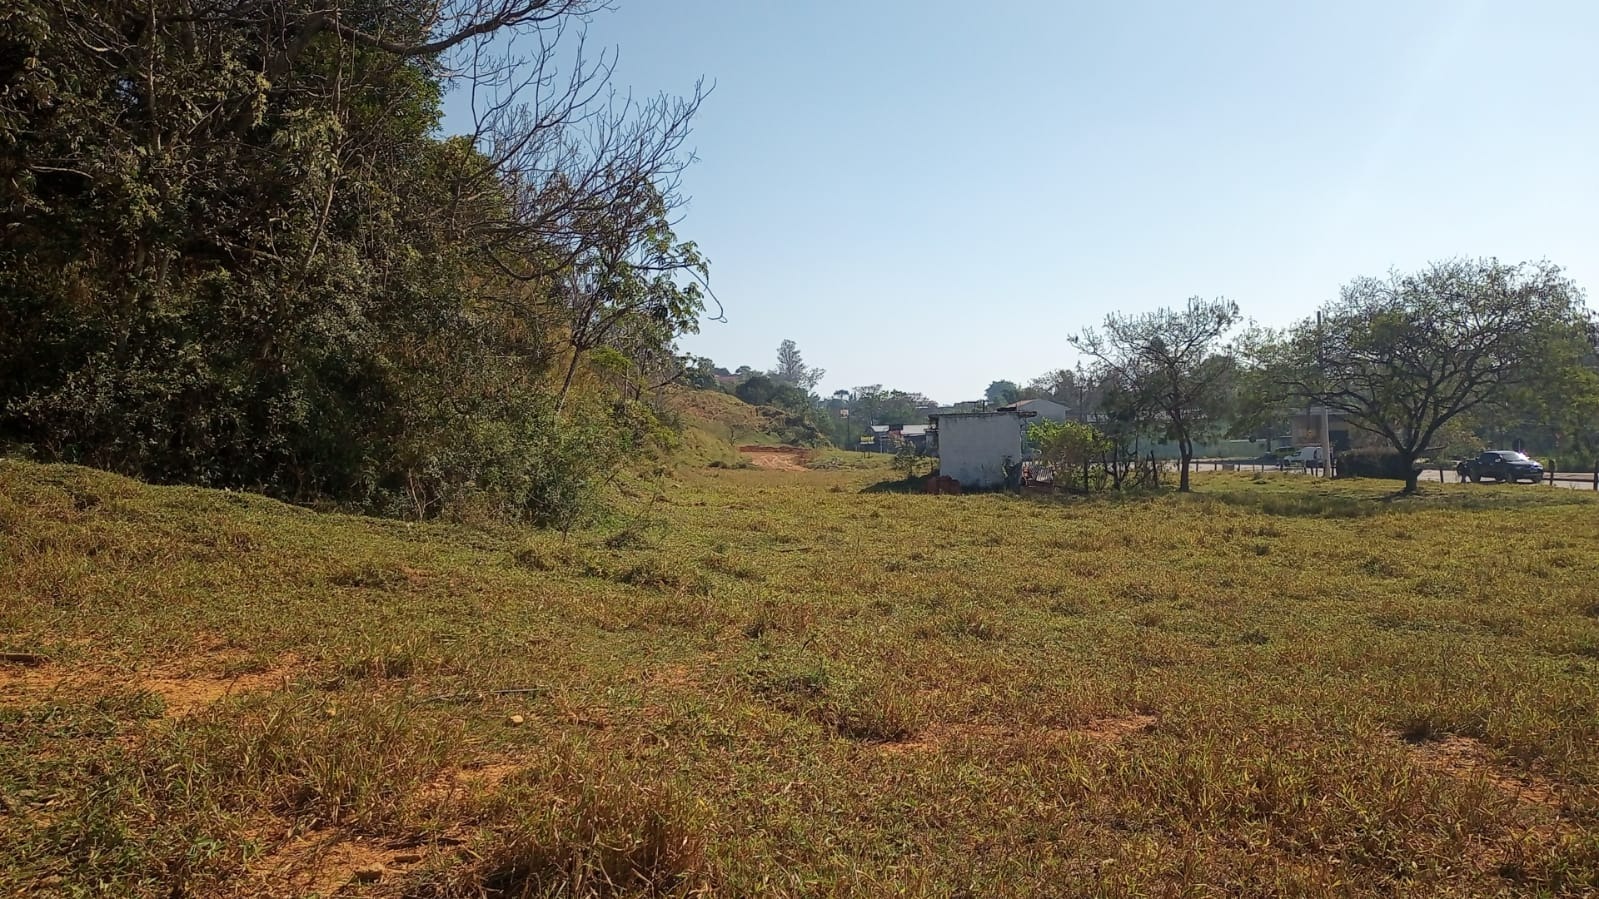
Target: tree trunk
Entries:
(1186, 448)
(566, 385)
(1412, 475)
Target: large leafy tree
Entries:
(1001, 392)
(1060, 385)
(625, 294)
(762, 390)
(234, 249)
(1403, 356)
(1171, 362)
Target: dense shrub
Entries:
(289, 282)
(794, 429)
(1572, 462)
(1373, 463)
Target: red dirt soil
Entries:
(776, 458)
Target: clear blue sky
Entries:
(931, 195)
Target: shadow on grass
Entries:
(1351, 498)
(1301, 505)
(896, 485)
(1105, 496)
(1359, 499)
(919, 485)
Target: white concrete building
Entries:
(975, 447)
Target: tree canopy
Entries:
(1403, 356)
(875, 405)
(1000, 393)
(1170, 361)
(761, 390)
(791, 368)
(235, 250)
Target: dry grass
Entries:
(787, 686)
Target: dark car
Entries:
(1504, 466)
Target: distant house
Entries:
(875, 438)
(1042, 409)
(978, 449)
(1306, 429)
(889, 438)
(915, 435)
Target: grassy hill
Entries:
(775, 683)
(715, 424)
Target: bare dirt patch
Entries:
(184, 695)
(489, 775)
(674, 677)
(324, 864)
(776, 458)
(17, 680)
(1469, 759)
(184, 686)
(678, 676)
(1117, 728)
(473, 779)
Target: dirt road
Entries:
(775, 458)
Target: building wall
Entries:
(1307, 430)
(973, 448)
(1048, 410)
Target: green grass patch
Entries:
(784, 683)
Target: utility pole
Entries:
(1326, 438)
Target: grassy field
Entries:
(802, 684)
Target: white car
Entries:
(1306, 457)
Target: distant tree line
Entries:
(840, 418)
(1431, 363)
(1420, 364)
(1441, 361)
